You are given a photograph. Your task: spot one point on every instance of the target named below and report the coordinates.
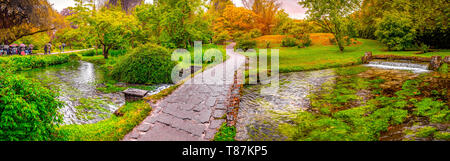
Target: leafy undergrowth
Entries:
(28, 110)
(111, 129)
(341, 114)
(21, 63)
(111, 88)
(225, 133)
(99, 52)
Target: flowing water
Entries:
(76, 84)
(415, 67)
(259, 115)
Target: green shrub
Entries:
(74, 57)
(222, 37)
(424, 48)
(305, 41)
(246, 44)
(100, 60)
(395, 31)
(147, 63)
(254, 33)
(28, 111)
(238, 35)
(20, 63)
(118, 52)
(89, 53)
(289, 42)
(332, 41)
(100, 52)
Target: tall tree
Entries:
(332, 16)
(21, 18)
(235, 20)
(175, 23)
(217, 6)
(110, 28)
(429, 19)
(266, 11)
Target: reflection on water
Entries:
(76, 83)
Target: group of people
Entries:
(16, 49)
(48, 48)
(23, 49)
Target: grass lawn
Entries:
(321, 57)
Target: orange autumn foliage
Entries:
(235, 19)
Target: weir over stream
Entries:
(409, 62)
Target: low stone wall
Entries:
(234, 98)
(399, 57)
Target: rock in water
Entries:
(132, 94)
(447, 59)
(367, 57)
(436, 62)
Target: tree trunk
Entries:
(105, 52)
(339, 43)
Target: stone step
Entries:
(132, 94)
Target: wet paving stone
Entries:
(215, 124)
(144, 127)
(219, 114)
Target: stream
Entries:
(259, 115)
(77, 84)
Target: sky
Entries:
(290, 6)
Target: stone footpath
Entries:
(196, 110)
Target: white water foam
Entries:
(413, 67)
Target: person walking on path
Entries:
(31, 46)
(6, 48)
(14, 50)
(45, 49)
(28, 50)
(49, 47)
(63, 45)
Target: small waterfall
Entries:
(400, 65)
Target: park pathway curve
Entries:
(196, 110)
(71, 51)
